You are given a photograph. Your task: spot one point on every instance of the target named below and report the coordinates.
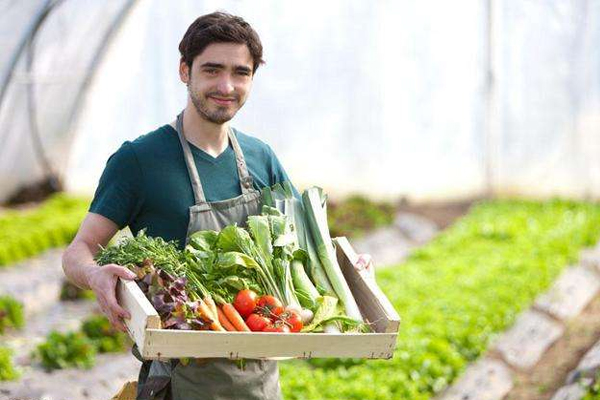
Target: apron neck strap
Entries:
(240, 161)
(244, 175)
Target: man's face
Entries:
(219, 81)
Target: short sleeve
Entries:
(118, 196)
(278, 174)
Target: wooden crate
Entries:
(156, 343)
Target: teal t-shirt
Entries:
(145, 183)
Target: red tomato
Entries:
(245, 302)
(277, 326)
(257, 322)
(293, 319)
(269, 306)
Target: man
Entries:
(194, 174)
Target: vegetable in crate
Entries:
(319, 259)
(314, 201)
(158, 264)
(229, 265)
(245, 302)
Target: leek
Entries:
(306, 292)
(313, 200)
(282, 198)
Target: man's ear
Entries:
(184, 72)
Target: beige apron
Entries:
(216, 378)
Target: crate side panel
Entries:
(373, 303)
(143, 315)
(163, 344)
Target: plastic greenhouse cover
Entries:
(63, 53)
(16, 19)
(372, 91)
(547, 137)
(389, 98)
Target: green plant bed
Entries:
(591, 388)
(454, 296)
(11, 313)
(104, 337)
(356, 215)
(8, 372)
(28, 233)
(65, 350)
(79, 349)
(71, 292)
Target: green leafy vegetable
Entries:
(314, 205)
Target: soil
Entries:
(34, 193)
(551, 371)
(442, 213)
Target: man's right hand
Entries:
(103, 281)
(81, 269)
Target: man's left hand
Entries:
(364, 265)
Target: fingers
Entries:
(104, 287)
(115, 314)
(121, 272)
(364, 262)
(364, 265)
(112, 317)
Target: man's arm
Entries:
(81, 269)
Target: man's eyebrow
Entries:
(222, 66)
(212, 65)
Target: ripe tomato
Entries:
(293, 319)
(257, 322)
(277, 326)
(269, 306)
(245, 302)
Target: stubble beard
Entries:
(201, 104)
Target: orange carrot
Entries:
(206, 312)
(224, 321)
(211, 304)
(234, 317)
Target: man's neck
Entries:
(206, 135)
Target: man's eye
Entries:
(211, 71)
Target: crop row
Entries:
(79, 348)
(454, 296)
(26, 233)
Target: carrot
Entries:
(224, 321)
(211, 304)
(234, 317)
(205, 311)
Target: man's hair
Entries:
(219, 27)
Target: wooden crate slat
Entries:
(163, 344)
(373, 303)
(143, 314)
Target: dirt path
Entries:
(552, 370)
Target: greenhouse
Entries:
(421, 173)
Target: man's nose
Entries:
(225, 85)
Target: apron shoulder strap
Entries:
(245, 177)
(189, 162)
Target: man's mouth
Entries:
(224, 101)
